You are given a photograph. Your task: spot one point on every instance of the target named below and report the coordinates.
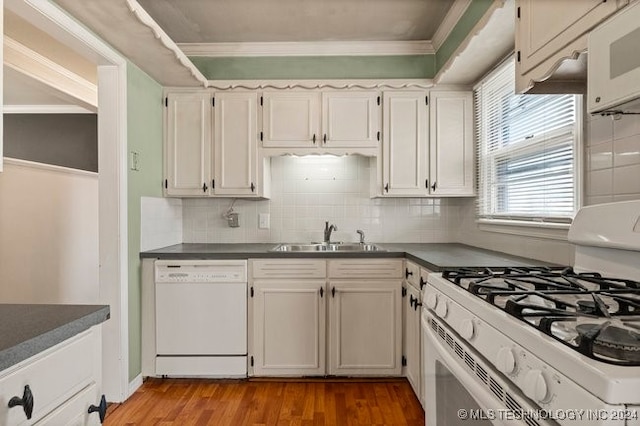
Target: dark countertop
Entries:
(26, 330)
(433, 256)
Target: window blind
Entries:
(525, 151)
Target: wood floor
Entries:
(283, 403)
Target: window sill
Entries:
(545, 230)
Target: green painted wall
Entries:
(316, 67)
(469, 19)
(144, 136)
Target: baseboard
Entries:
(134, 385)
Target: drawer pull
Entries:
(100, 409)
(407, 273)
(26, 402)
(422, 283)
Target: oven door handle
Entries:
(480, 394)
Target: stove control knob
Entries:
(432, 300)
(505, 361)
(467, 330)
(535, 386)
(442, 309)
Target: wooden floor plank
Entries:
(192, 402)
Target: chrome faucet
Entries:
(361, 232)
(327, 231)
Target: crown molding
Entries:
(158, 33)
(449, 22)
(32, 64)
(46, 109)
(389, 84)
(312, 48)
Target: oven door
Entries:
(461, 388)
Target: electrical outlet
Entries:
(263, 221)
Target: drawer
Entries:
(289, 268)
(53, 377)
(412, 274)
(366, 268)
(75, 412)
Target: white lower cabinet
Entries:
(57, 386)
(317, 317)
(411, 349)
(289, 327)
(365, 328)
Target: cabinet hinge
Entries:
(261, 100)
(518, 12)
(404, 361)
(518, 56)
(166, 184)
(378, 100)
(252, 360)
(261, 136)
(426, 183)
(426, 100)
(251, 291)
(166, 101)
(404, 292)
(213, 102)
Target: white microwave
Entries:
(613, 78)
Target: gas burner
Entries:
(615, 342)
(574, 308)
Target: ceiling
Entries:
(248, 21)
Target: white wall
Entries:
(308, 191)
(48, 234)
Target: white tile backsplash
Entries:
(306, 192)
(160, 222)
(612, 169)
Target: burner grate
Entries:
(558, 298)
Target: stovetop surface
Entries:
(595, 315)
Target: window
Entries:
(526, 151)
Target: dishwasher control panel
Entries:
(201, 271)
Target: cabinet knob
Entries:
(324, 139)
(386, 188)
(26, 401)
(314, 139)
(407, 273)
(411, 299)
(422, 283)
(333, 292)
(321, 292)
(598, 99)
(434, 186)
(101, 409)
(253, 187)
(204, 187)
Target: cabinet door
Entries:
(350, 119)
(188, 144)
(365, 327)
(412, 338)
(291, 119)
(404, 144)
(289, 327)
(451, 171)
(545, 27)
(235, 143)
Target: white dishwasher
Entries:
(201, 318)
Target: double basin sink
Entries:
(327, 247)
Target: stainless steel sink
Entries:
(326, 247)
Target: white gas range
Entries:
(540, 346)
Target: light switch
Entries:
(263, 221)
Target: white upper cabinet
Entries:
(405, 143)
(451, 142)
(235, 143)
(302, 122)
(350, 119)
(549, 31)
(211, 145)
(188, 144)
(290, 119)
